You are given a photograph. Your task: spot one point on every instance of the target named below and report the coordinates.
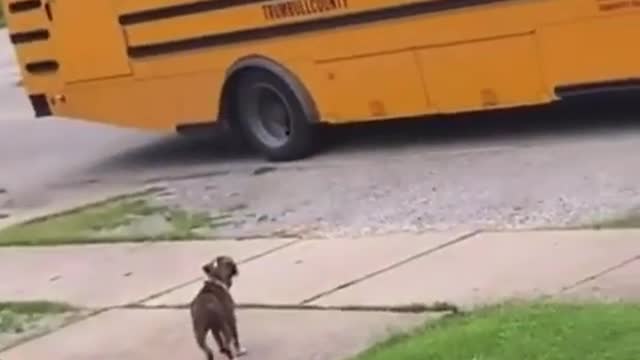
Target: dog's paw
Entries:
(241, 352)
(228, 354)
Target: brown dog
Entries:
(213, 308)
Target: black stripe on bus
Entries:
(401, 11)
(43, 66)
(25, 5)
(597, 87)
(181, 10)
(29, 36)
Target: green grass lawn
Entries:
(523, 332)
(114, 221)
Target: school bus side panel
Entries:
(155, 104)
(594, 50)
(89, 41)
(490, 73)
(372, 87)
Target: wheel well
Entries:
(259, 63)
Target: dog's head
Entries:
(222, 268)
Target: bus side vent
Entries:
(25, 5)
(29, 36)
(42, 66)
(40, 105)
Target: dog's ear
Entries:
(207, 268)
(234, 269)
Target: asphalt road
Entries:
(550, 166)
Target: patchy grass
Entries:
(629, 221)
(35, 307)
(533, 331)
(2, 23)
(17, 317)
(125, 219)
(20, 321)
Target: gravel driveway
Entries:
(570, 165)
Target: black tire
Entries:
(271, 117)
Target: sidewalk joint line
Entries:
(391, 267)
(411, 309)
(193, 281)
(599, 274)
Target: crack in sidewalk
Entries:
(391, 267)
(410, 308)
(439, 307)
(598, 275)
(193, 281)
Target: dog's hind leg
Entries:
(222, 339)
(240, 351)
(201, 339)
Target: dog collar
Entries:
(218, 282)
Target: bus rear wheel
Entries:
(272, 118)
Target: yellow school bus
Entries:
(273, 70)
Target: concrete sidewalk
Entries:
(159, 279)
